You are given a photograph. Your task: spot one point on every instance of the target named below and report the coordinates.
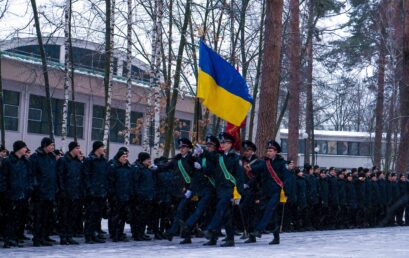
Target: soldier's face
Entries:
(123, 159)
(21, 152)
(76, 151)
(248, 153)
(100, 151)
(210, 147)
(271, 153)
(349, 178)
(3, 153)
(147, 162)
(183, 150)
(226, 146)
(50, 148)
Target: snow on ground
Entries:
(377, 242)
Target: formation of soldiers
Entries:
(197, 193)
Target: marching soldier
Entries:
(203, 185)
(183, 166)
(228, 175)
(273, 177)
(248, 206)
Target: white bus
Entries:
(338, 149)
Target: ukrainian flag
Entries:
(223, 91)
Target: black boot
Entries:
(276, 241)
(64, 241)
(89, 240)
(211, 242)
(252, 239)
(228, 243)
(158, 236)
(72, 241)
(244, 236)
(168, 236)
(98, 240)
(44, 242)
(185, 241)
(256, 233)
(210, 235)
(48, 239)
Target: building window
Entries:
(136, 73)
(11, 109)
(301, 146)
(117, 125)
(323, 146)
(353, 148)
(136, 128)
(98, 115)
(91, 59)
(52, 52)
(182, 129)
(364, 149)
(38, 119)
(284, 145)
(342, 148)
(332, 148)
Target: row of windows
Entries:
(38, 119)
(83, 58)
(336, 147)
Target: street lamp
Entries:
(304, 136)
(316, 150)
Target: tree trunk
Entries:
(270, 76)
(403, 157)
(152, 115)
(67, 80)
(128, 75)
(380, 94)
(74, 112)
(109, 67)
(2, 123)
(294, 81)
(309, 112)
(258, 71)
(171, 115)
(45, 70)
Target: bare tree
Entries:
(109, 66)
(171, 115)
(270, 74)
(294, 81)
(67, 67)
(45, 69)
(128, 74)
(152, 114)
(379, 116)
(403, 156)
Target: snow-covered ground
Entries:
(377, 242)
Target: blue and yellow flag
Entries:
(223, 91)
